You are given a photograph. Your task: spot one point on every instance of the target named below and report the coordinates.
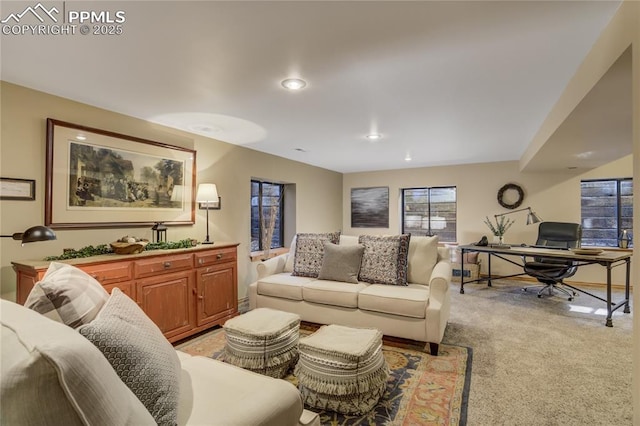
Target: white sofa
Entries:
(418, 311)
(51, 374)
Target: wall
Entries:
(230, 167)
(553, 196)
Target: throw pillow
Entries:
(68, 295)
(385, 259)
(310, 251)
(143, 358)
(341, 263)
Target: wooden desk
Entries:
(608, 259)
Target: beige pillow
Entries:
(423, 256)
(341, 263)
(139, 353)
(52, 375)
(68, 295)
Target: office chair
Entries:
(550, 271)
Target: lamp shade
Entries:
(34, 234)
(532, 217)
(207, 192)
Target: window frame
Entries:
(428, 188)
(260, 207)
(618, 217)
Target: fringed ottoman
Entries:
(263, 340)
(342, 369)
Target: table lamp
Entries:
(532, 217)
(207, 193)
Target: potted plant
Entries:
(500, 227)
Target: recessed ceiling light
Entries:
(300, 150)
(81, 137)
(374, 136)
(407, 157)
(294, 83)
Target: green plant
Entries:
(500, 227)
(105, 249)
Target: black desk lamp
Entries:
(33, 234)
(532, 217)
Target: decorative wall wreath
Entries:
(510, 187)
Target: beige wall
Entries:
(554, 196)
(23, 115)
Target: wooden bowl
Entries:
(128, 248)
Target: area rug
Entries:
(422, 389)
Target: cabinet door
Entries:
(217, 293)
(168, 301)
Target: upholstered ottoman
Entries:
(342, 369)
(263, 340)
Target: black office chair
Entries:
(550, 271)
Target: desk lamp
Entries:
(532, 217)
(33, 234)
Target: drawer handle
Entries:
(200, 261)
(166, 265)
(219, 256)
(200, 297)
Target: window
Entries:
(267, 214)
(607, 210)
(430, 211)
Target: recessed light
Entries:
(294, 83)
(300, 150)
(407, 157)
(81, 137)
(374, 136)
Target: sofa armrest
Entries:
(440, 279)
(272, 266)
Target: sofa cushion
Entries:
(422, 258)
(52, 375)
(216, 393)
(385, 259)
(410, 301)
(341, 263)
(68, 295)
(284, 285)
(310, 251)
(333, 293)
(143, 358)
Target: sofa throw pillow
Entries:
(310, 251)
(385, 259)
(68, 295)
(143, 358)
(341, 263)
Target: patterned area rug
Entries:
(422, 389)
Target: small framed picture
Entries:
(17, 189)
(214, 205)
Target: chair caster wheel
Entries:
(570, 299)
(539, 296)
(524, 289)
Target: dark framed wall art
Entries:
(370, 207)
(17, 189)
(101, 179)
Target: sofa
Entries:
(416, 310)
(52, 373)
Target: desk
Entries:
(608, 259)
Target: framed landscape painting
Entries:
(101, 179)
(370, 207)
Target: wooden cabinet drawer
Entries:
(126, 287)
(108, 273)
(161, 265)
(214, 257)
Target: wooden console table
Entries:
(184, 291)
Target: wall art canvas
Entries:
(97, 178)
(370, 207)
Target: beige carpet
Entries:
(543, 361)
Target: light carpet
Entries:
(422, 389)
(543, 361)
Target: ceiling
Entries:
(443, 82)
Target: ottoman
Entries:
(342, 369)
(263, 340)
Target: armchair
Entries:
(550, 272)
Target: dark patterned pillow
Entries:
(139, 353)
(310, 251)
(385, 259)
